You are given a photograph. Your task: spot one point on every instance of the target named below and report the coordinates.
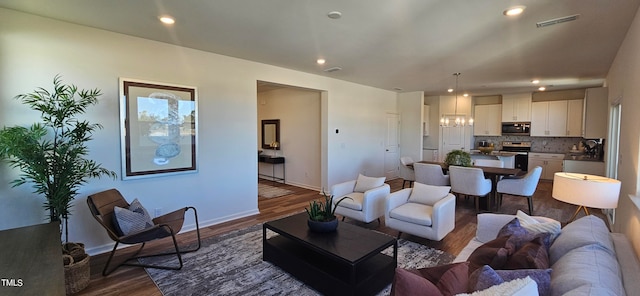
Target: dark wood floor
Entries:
(135, 281)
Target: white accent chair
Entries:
(430, 174)
(470, 181)
(366, 201)
(520, 186)
(407, 173)
(496, 163)
(424, 210)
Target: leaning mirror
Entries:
(271, 134)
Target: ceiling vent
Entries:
(557, 21)
(334, 69)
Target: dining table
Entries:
(492, 173)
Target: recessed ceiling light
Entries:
(334, 15)
(450, 90)
(542, 88)
(167, 20)
(321, 61)
(535, 81)
(465, 95)
(513, 11)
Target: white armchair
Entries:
(424, 210)
(366, 201)
(520, 186)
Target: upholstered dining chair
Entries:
(407, 173)
(426, 211)
(366, 198)
(524, 186)
(470, 181)
(104, 205)
(430, 174)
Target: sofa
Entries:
(584, 257)
(524, 255)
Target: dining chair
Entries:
(496, 163)
(430, 174)
(470, 181)
(407, 173)
(524, 186)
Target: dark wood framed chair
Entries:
(101, 205)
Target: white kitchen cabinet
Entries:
(556, 118)
(516, 107)
(487, 120)
(596, 112)
(425, 120)
(551, 163)
(584, 167)
(574, 118)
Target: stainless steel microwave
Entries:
(516, 128)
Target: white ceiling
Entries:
(408, 44)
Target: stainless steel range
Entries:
(522, 149)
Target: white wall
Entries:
(299, 114)
(34, 49)
(623, 85)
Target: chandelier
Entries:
(460, 119)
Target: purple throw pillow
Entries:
(486, 277)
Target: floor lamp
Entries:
(586, 191)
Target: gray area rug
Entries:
(268, 191)
(231, 264)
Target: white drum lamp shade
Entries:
(586, 191)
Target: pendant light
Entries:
(459, 120)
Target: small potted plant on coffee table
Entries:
(322, 216)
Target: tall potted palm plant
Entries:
(52, 155)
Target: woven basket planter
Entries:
(77, 270)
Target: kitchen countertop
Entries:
(493, 153)
(581, 157)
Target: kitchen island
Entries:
(584, 164)
(507, 158)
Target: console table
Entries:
(31, 261)
(273, 160)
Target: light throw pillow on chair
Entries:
(364, 183)
(428, 194)
(133, 219)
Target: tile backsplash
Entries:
(538, 144)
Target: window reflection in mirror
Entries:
(270, 133)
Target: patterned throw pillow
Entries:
(133, 219)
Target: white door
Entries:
(391, 158)
(453, 138)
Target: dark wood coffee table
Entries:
(345, 262)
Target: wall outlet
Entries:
(157, 212)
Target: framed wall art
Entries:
(158, 129)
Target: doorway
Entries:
(298, 111)
(391, 157)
